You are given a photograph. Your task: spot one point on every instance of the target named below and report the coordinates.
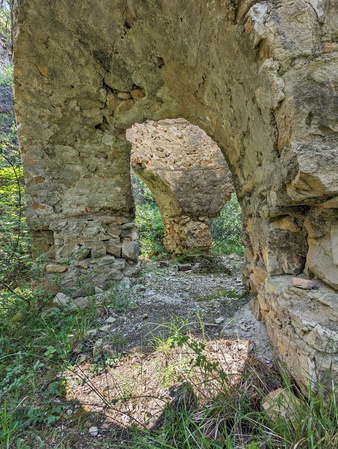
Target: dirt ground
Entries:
(141, 355)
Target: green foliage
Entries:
(6, 76)
(5, 21)
(14, 236)
(226, 230)
(225, 414)
(119, 298)
(148, 221)
(101, 362)
(35, 348)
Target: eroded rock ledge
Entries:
(303, 328)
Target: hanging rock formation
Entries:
(259, 77)
(188, 176)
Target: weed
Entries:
(226, 230)
(102, 362)
(6, 76)
(119, 299)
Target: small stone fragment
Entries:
(105, 328)
(97, 347)
(281, 403)
(137, 94)
(184, 267)
(91, 333)
(56, 268)
(124, 95)
(94, 431)
(305, 284)
(219, 320)
(79, 303)
(61, 299)
(107, 349)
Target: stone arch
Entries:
(259, 77)
(188, 176)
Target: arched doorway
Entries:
(188, 176)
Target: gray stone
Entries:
(56, 268)
(62, 300)
(106, 260)
(94, 431)
(80, 253)
(98, 251)
(130, 250)
(114, 249)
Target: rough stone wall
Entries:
(188, 176)
(259, 77)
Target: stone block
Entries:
(322, 339)
(56, 268)
(106, 260)
(281, 403)
(120, 264)
(83, 263)
(130, 250)
(114, 249)
(62, 300)
(80, 253)
(320, 260)
(98, 250)
(305, 284)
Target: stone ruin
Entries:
(259, 77)
(188, 176)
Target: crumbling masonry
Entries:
(259, 77)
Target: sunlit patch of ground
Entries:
(139, 386)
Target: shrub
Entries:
(226, 230)
(148, 221)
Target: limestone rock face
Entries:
(259, 77)
(302, 327)
(188, 176)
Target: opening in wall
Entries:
(148, 221)
(226, 229)
(190, 181)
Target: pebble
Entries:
(184, 267)
(91, 333)
(105, 328)
(94, 431)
